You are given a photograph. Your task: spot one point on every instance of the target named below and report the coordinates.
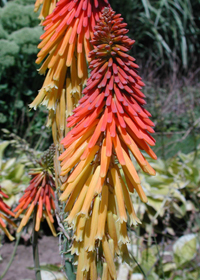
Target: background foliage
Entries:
(19, 80)
(166, 32)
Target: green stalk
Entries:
(35, 249)
(12, 257)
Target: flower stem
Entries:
(35, 249)
(12, 257)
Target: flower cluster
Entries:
(38, 196)
(65, 47)
(5, 209)
(109, 125)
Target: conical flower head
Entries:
(110, 124)
(66, 44)
(39, 195)
(112, 108)
(4, 212)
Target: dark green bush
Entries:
(166, 32)
(19, 79)
(15, 16)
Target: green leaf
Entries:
(185, 249)
(156, 204)
(169, 267)
(17, 173)
(3, 118)
(7, 186)
(3, 146)
(146, 7)
(69, 270)
(148, 260)
(8, 164)
(19, 104)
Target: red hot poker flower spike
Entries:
(66, 43)
(109, 124)
(39, 194)
(5, 209)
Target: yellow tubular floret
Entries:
(129, 165)
(81, 179)
(93, 267)
(11, 238)
(62, 108)
(38, 220)
(94, 223)
(26, 217)
(109, 257)
(137, 187)
(50, 224)
(112, 230)
(91, 191)
(129, 205)
(79, 202)
(80, 227)
(76, 144)
(105, 272)
(83, 164)
(119, 195)
(69, 99)
(81, 261)
(88, 260)
(75, 249)
(87, 233)
(121, 231)
(105, 161)
(102, 213)
(74, 159)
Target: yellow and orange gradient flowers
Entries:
(5, 209)
(38, 196)
(109, 126)
(65, 47)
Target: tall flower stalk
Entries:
(110, 126)
(64, 48)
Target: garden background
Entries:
(167, 49)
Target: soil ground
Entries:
(48, 254)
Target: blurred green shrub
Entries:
(173, 193)
(13, 178)
(16, 159)
(166, 244)
(15, 16)
(177, 262)
(8, 53)
(19, 80)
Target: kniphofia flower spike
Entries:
(39, 195)
(5, 210)
(109, 125)
(65, 47)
